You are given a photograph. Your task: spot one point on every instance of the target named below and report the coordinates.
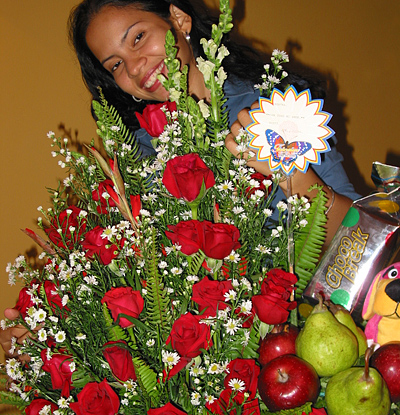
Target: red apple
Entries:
(280, 341)
(288, 382)
(386, 359)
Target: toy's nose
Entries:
(393, 290)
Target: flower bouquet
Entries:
(160, 274)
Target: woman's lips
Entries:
(150, 81)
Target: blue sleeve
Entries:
(144, 141)
(332, 173)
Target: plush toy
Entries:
(382, 306)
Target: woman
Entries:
(120, 47)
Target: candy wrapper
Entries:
(366, 242)
(385, 177)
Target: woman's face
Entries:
(129, 43)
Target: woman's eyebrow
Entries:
(122, 41)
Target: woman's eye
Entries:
(138, 37)
(115, 67)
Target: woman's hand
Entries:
(19, 332)
(301, 182)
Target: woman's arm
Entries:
(338, 205)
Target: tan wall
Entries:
(353, 43)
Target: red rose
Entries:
(167, 409)
(24, 301)
(59, 368)
(272, 306)
(187, 234)
(96, 398)
(188, 336)
(209, 295)
(106, 186)
(102, 247)
(123, 300)
(120, 360)
(220, 239)
(227, 402)
(153, 119)
(281, 277)
(54, 299)
(184, 176)
(72, 227)
(37, 405)
(245, 370)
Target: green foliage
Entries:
(158, 302)
(309, 241)
(147, 380)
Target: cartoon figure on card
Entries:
(382, 306)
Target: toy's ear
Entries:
(367, 311)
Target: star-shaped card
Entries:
(289, 130)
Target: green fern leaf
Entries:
(157, 298)
(309, 241)
(147, 380)
(115, 332)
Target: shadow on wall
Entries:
(337, 108)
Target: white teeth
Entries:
(153, 78)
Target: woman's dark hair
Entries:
(242, 61)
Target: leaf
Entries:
(147, 379)
(309, 241)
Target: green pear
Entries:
(325, 343)
(344, 317)
(358, 391)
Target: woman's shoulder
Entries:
(240, 93)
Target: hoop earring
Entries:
(137, 99)
(187, 36)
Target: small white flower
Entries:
(232, 326)
(109, 232)
(230, 296)
(60, 336)
(63, 403)
(246, 306)
(281, 206)
(170, 358)
(42, 335)
(237, 385)
(233, 257)
(192, 278)
(210, 398)
(40, 315)
(80, 336)
(214, 369)
(267, 212)
(150, 343)
(195, 398)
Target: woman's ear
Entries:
(181, 21)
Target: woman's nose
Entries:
(134, 64)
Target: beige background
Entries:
(354, 44)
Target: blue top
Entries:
(241, 94)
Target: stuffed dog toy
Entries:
(382, 306)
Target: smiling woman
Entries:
(129, 43)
